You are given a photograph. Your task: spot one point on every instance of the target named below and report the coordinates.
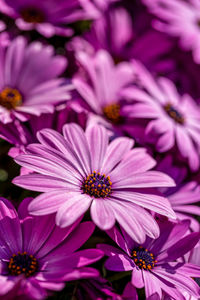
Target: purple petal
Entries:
(116, 150)
(48, 203)
(147, 179)
(41, 183)
(74, 207)
(119, 263)
(75, 135)
(151, 285)
(183, 246)
(137, 278)
(128, 220)
(155, 203)
(73, 240)
(97, 138)
(102, 214)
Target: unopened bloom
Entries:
(81, 170)
(154, 263)
(28, 80)
(37, 256)
(172, 119)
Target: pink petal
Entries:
(74, 206)
(102, 214)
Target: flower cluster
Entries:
(99, 149)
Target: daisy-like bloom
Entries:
(37, 256)
(28, 80)
(184, 198)
(49, 17)
(180, 19)
(103, 100)
(174, 120)
(81, 170)
(155, 264)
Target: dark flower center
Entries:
(174, 113)
(198, 22)
(32, 15)
(10, 98)
(112, 113)
(97, 185)
(143, 258)
(22, 263)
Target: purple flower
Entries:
(173, 119)
(154, 263)
(37, 256)
(104, 100)
(185, 196)
(180, 19)
(28, 80)
(82, 170)
(49, 17)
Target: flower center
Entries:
(112, 113)
(22, 263)
(97, 185)
(32, 15)
(143, 258)
(174, 113)
(10, 98)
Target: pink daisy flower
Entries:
(180, 19)
(174, 120)
(81, 170)
(103, 100)
(156, 265)
(37, 256)
(28, 80)
(49, 17)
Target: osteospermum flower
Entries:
(37, 256)
(172, 119)
(102, 99)
(28, 80)
(80, 170)
(49, 17)
(180, 19)
(154, 263)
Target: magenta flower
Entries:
(173, 119)
(103, 100)
(179, 19)
(49, 17)
(81, 170)
(154, 263)
(28, 80)
(37, 256)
